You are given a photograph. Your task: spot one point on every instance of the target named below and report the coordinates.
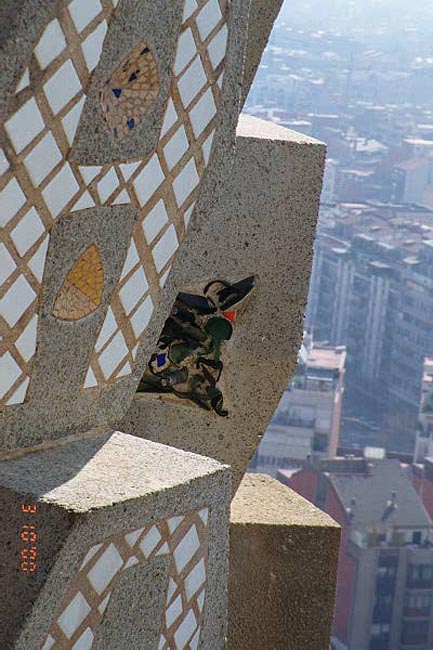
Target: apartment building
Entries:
(385, 585)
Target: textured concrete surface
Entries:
(264, 224)
(283, 569)
(61, 362)
(89, 491)
(157, 23)
(263, 14)
(53, 408)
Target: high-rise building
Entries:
(385, 585)
(307, 420)
(372, 290)
(424, 434)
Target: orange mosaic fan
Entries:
(130, 92)
(81, 292)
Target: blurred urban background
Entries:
(354, 430)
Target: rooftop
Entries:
(383, 494)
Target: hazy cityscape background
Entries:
(354, 430)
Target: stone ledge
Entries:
(283, 568)
(95, 530)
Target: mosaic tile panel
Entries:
(130, 91)
(184, 539)
(39, 184)
(188, 359)
(81, 293)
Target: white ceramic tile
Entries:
(155, 221)
(131, 562)
(89, 172)
(188, 214)
(142, 317)
(172, 586)
(131, 538)
(72, 119)
(23, 82)
(75, 613)
(134, 289)
(51, 44)
(115, 2)
(107, 331)
(165, 248)
(24, 125)
(84, 202)
(124, 371)
(7, 264)
(122, 199)
(9, 373)
(148, 180)
(37, 262)
(128, 169)
(185, 631)
(163, 279)
(60, 190)
(132, 260)
(85, 641)
(42, 159)
(204, 515)
(90, 381)
(15, 302)
(48, 643)
(113, 354)
(174, 611)
(162, 642)
(208, 18)
(4, 163)
(193, 644)
(186, 548)
(190, 7)
(84, 11)
(92, 46)
(26, 342)
(170, 117)
(19, 396)
(207, 147)
(186, 51)
(27, 232)
(176, 147)
(90, 554)
(62, 86)
(186, 181)
(173, 523)
(217, 47)
(135, 351)
(195, 579)
(200, 601)
(102, 573)
(150, 541)
(164, 550)
(108, 184)
(202, 113)
(103, 606)
(12, 199)
(191, 82)
(220, 80)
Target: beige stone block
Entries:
(283, 569)
(264, 225)
(113, 543)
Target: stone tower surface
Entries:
(126, 220)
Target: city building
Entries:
(307, 420)
(424, 434)
(371, 290)
(385, 584)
